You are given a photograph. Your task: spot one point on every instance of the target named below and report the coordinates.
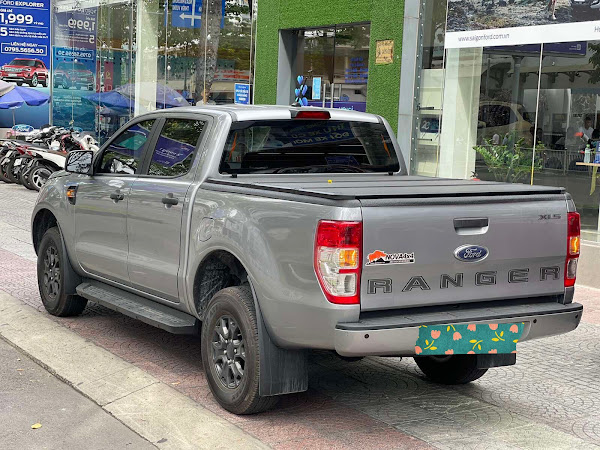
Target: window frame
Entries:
(114, 137)
(157, 130)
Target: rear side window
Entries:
(174, 152)
(123, 155)
(308, 146)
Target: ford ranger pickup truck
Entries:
(270, 231)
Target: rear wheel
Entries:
(38, 177)
(456, 369)
(26, 177)
(230, 352)
(3, 174)
(52, 268)
(10, 172)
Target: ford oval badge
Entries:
(471, 253)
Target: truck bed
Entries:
(374, 186)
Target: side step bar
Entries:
(140, 308)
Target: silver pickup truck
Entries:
(270, 231)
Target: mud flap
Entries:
(282, 371)
(71, 280)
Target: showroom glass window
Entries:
(333, 64)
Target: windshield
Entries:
(308, 146)
(22, 62)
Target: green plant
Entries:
(510, 162)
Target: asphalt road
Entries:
(548, 400)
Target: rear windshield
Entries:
(308, 146)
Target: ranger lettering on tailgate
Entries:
(487, 278)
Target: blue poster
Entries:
(242, 94)
(316, 88)
(186, 13)
(74, 68)
(25, 55)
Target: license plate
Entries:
(468, 339)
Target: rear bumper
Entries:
(396, 335)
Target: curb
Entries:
(154, 410)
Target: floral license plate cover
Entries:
(468, 339)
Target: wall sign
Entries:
(25, 53)
(384, 52)
(242, 94)
(485, 24)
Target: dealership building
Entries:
(474, 89)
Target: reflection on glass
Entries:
(135, 56)
(175, 148)
(429, 87)
(569, 125)
(124, 153)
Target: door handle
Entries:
(117, 196)
(169, 200)
(471, 223)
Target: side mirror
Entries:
(80, 162)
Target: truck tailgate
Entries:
(467, 249)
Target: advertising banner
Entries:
(487, 23)
(25, 55)
(74, 67)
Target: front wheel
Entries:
(34, 81)
(52, 270)
(230, 352)
(456, 369)
(38, 177)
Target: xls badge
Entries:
(381, 257)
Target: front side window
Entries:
(175, 148)
(123, 155)
(308, 146)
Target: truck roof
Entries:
(270, 112)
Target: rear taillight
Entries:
(573, 247)
(338, 250)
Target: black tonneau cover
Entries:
(376, 186)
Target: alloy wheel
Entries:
(34, 81)
(228, 352)
(52, 272)
(39, 177)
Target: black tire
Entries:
(34, 81)
(10, 167)
(38, 176)
(19, 83)
(55, 275)
(456, 369)
(233, 308)
(25, 178)
(3, 176)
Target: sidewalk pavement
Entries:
(31, 395)
(155, 411)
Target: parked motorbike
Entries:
(44, 153)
